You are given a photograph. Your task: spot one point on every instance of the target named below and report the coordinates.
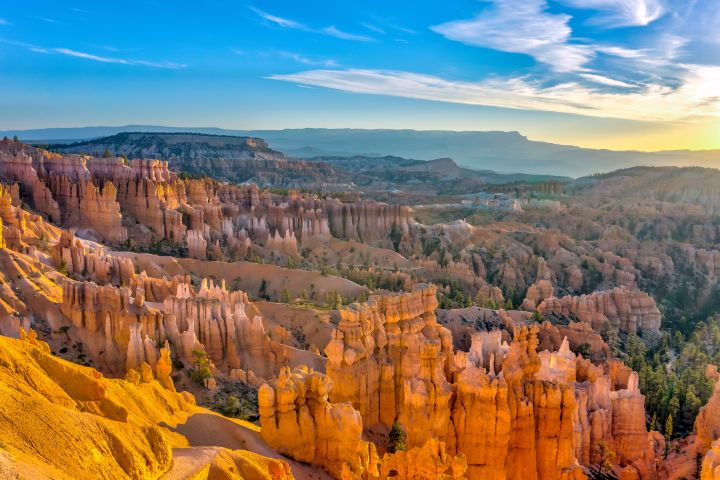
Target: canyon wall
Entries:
(513, 413)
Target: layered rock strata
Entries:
(629, 311)
(513, 413)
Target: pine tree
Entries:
(397, 438)
(607, 458)
(668, 432)
(263, 290)
(201, 366)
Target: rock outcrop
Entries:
(298, 420)
(513, 413)
(100, 428)
(707, 423)
(121, 330)
(630, 311)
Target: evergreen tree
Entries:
(397, 438)
(201, 366)
(668, 433)
(263, 290)
(607, 458)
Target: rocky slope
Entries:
(687, 185)
(62, 421)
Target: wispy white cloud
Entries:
(403, 29)
(337, 33)
(522, 27)
(621, 13)
(697, 95)
(121, 61)
(603, 80)
(49, 20)
(328, 63)
(621, 52)
(373, 28)
(3, 21)
(331, 30)
(89, 56)
(282, 22)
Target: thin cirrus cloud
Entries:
(522, 27)
(121, 61)
(603, 80)
(697, 96)
(327, 63)
(337, 33)
(621, 13)
(89, 56)
(331, 30)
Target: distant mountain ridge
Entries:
(498, 151)
(250, 159)
(225, 157)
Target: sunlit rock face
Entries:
(122, 328)
(511, 411)
(630, 311)
(707, 423)
(299, 421)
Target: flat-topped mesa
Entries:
(630, 311)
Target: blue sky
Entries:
(641, 74)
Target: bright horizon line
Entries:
(191, 128)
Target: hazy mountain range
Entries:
(249, 159)
(498, 151)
